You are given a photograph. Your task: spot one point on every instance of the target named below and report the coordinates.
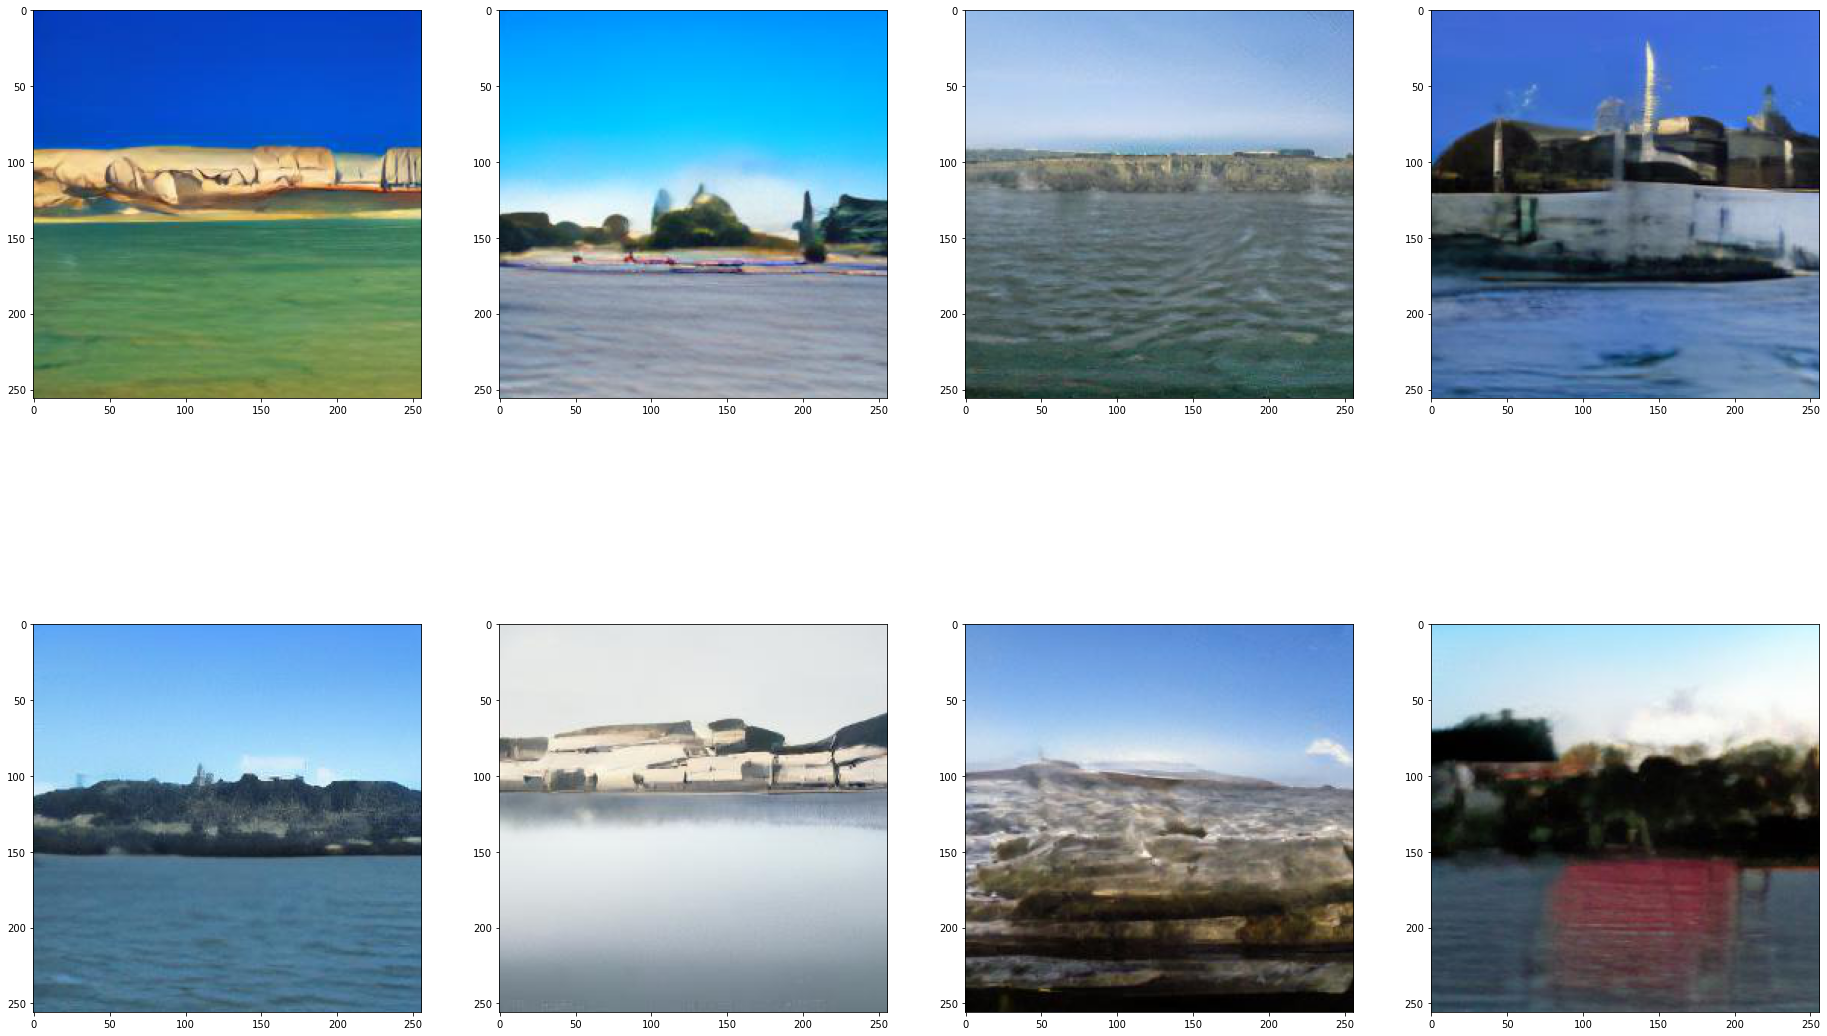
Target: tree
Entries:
(808, 230)
(617, 227)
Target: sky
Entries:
(601, 109)
(345, 80)
(1191, 81)
(136, 702)
(1272, 702)
(801, 681)
(1557, 66)
(1652, 685)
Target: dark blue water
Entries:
(1506, 340)
(694, 902)
(1623, 935)
(174, 934)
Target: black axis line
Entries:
(693, 399)
(1430, 859)
(888, 863)
(1430, 195)
(888, 157)
(32, 660)
(315, 10)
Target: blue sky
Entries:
(1159, 80)
(1556, 66)
(1658, 685)
(1253, 701)
(601, 109)
(345, 80)
(133, 702)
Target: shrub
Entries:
(815, 252)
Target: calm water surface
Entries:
(174, 933)
(1506, 340)
(319, 308)
(1624, 935)
(1094, 294)
(686, 902)
(692, 336)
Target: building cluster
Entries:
(1520, 156)
(729, 756)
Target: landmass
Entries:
(730, 756)
(708, 228)
(223, 182)
(246, 817)
(1274, 172)
(1100, 890)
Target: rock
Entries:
(1179, 878)
(400, 169)
(176, 178)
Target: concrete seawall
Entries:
(1641, 223)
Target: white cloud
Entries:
(1327, 747)
(273, 765)
(325, 775)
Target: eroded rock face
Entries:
(1163, 886)
(173, 178)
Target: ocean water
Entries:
(1092, 294)
(682, 336)
(1750, 339)
(175, 933)
(694, 902)
(1550, 934)
(257, 309)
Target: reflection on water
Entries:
(1507, 339)
(1624, 935)
(1208, 295)
(679, 902)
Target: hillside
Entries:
(248, 817)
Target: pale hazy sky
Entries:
(803, 681)
(1658, 685)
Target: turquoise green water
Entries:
(273, 309)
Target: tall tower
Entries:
(1649, 102)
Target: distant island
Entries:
(246, 817)
(199, 181)
(860, 225)
(673, 757)
(1285, 170)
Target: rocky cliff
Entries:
(172, 179)
(248, 817)
(1164, 173)
(734, 755)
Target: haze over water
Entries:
(694, 902)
